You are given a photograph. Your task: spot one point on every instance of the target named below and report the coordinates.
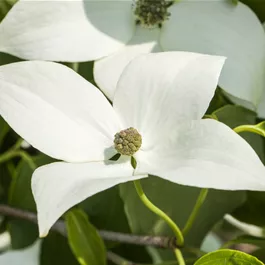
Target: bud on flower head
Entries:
(127, 142)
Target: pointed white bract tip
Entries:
(43, 232)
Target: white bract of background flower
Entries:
(27, 256)
(78, 30)
(162, 95)
(261, 105)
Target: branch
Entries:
(59, 226)
(155, 241)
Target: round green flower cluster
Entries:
(127, 142)
(152, 13)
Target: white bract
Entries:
(261, 106)
(27, 256)
(163, 96)
(106, 31)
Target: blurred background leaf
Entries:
(106, 211)
(258, 6)
(23, 233)
(55, 250)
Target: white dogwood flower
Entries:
(155, 117)
(116, 31)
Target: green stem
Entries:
(160, 213)
(17, 153)
(243, 128)
(8, 155)
(17, 144)
(249, 128)
(27, 158)
(200, 200)
(179, 257)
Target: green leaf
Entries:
(246, 239)
(228, 257)
(187, 262)
(252, 211)
(218, 101)
(235, 2)
(55, 250)
(258, 6)
(260, 254)
(234, 116)
(86, 70)
(5, 180)
(4, 128)
(6, 58)
(137, 254)
(177, 201)
(23, 233)
(102, 215)
(84, 239)
(5, 6)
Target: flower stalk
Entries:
(200, 200)
(15, 152)
(257, 129)
(179, 257)
(165, 217)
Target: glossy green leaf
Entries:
(84, 239)
(228, 257)
(55, 250)
(177, 201)
(23, 233)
